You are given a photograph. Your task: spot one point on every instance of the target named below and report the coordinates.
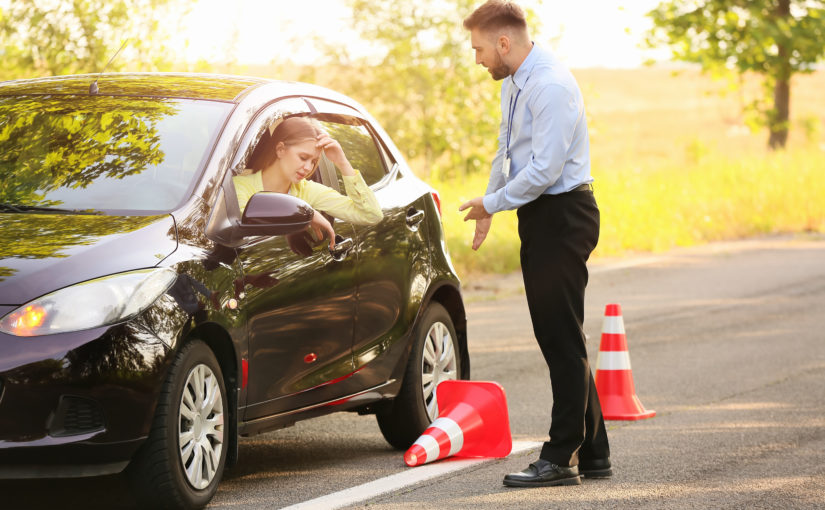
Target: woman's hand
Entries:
(335, 153)
(321, 226)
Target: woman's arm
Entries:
(359, 206)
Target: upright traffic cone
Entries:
(614, 377)
(472, 422)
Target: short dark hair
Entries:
(497, 14)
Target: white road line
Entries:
(405, 478)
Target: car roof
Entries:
(179, 85)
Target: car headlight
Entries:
(90, 304)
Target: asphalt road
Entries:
(727, 345)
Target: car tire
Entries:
(192, 410)
(435, 357)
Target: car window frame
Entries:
(327, 108)
(225, 216)
(252, 135)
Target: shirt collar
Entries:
(523, 72)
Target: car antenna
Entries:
(93, 88)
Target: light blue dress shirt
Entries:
(549, 145)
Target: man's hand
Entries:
(321, 226)
(482, 217)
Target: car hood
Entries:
(41, 253)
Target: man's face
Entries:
(484, 45)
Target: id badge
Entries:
(505, 166)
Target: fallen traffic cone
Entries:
(472, 422)
(614, 377)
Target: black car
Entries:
(146, 322)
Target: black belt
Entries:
(583, 187)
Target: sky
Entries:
(583, 33)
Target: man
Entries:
(542, 168)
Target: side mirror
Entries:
(270, 214)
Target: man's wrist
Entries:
(487, 204)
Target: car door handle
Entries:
(342, 248)
(414, 218)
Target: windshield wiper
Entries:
(18, 208)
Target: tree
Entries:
(53, 37)
(774, 38)
(422, 83)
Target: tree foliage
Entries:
(775, 38)
(422, 83)
(54, 37)
(46, 145)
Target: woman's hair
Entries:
(496, 15)
(290, 131)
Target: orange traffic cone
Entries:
(472, 422)
(614, 377)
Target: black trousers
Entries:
(558, 233)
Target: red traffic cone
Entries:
(614, 377)
(472, 422)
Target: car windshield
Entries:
(102, 153)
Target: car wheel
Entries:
(435, 357)
(182, 461)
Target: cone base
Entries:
(631, 417)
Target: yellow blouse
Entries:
(359, 206)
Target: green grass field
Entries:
(674, 166)
(654, 209)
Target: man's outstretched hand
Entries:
(482, 217)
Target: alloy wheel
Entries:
(200, 426)
(438, 362)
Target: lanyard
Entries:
(512, 112)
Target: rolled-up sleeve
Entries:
(555, 114)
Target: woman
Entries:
(283, 163)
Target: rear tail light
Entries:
(437, 199)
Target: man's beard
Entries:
(499, 70)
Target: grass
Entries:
(654, 209)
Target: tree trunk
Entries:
(778, 123)
(781, 114)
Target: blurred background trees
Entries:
(774, 38)
(420, 81)
(54, 37)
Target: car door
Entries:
(299, 304)
(393, 256)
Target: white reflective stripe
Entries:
(613, 360)
(613, 324)
(430, 446)
(453, 431)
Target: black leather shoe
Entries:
(596, 468)
(543, 473)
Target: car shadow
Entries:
(102, 492)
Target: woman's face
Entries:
(298, 161)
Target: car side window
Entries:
(360, 148)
